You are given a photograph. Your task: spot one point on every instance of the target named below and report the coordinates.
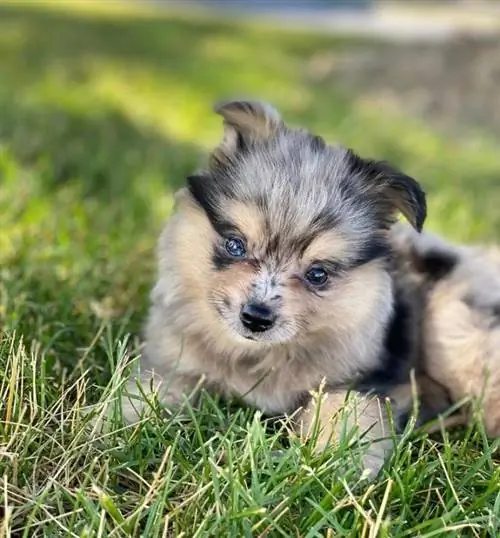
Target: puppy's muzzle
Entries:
(257, 317)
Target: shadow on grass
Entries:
(104, 150)
(96, 142)
(82, 208)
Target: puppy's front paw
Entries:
(352, 420)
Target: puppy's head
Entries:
(285, 237)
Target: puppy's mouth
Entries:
(276, 336)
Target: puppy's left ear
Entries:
(244, 122)
(394, 190)
(251, 119)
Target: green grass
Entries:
(103, 112)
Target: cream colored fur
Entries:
(461, 320)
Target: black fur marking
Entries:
(357, 165)
(394, 362)
(332, 267)
(317, 143)
(321, 223)
(375, 249)
(220, 259)
(227, 229)
(303, 400)
(273, 246)
(324, 221)
(398, 342)
(205, 192)
(402, 419)
(436, 264)
(300, 244)
(381, 173)
(198, 186)
(241, 146)
(410, 190)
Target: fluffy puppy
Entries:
(275, 279)
(459, 286)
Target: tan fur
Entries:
(249, 218)
(460, 331)
(341, 417)
(325, 244)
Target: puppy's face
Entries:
(290, 233)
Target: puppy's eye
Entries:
(316, 276)
(235, 247)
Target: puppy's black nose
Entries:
(257, 317)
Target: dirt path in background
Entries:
(454, 85)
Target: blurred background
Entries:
(105, 107)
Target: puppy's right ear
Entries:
(244, 122)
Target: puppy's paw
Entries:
(351, 420)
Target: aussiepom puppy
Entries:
(459, 290)
(276, 279)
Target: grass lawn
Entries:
(103, 112)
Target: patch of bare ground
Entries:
(454, 85)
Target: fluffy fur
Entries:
(240, 307)
(460, 330)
